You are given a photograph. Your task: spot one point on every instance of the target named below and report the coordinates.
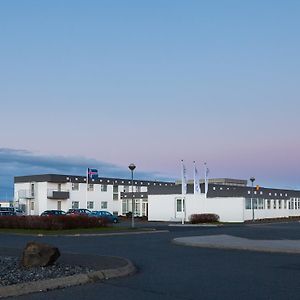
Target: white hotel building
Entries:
(231, 199)
(37, 193)
(160, 201)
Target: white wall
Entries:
(163, 207)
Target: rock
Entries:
(39, 255)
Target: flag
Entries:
(206, 180)
(196, 181)
(92, 173)
(183, 179)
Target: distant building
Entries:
(233, 203)
(37, 193)
(222, 181)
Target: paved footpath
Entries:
(224, 241)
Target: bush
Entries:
(204, 218)
(129, 214)
(51, 222)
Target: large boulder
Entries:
(39, 255)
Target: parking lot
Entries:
(169, 271)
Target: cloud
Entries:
(17, 162)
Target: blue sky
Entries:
(153, 82)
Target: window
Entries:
(285, 201)
(179, 205)
(115, 189)
(75, 186)
(75, 204)
(274, 204)
(126, 189)
(115, 196)
(255, 203)
(90, 187)
(124, 207)
(248, 203)
(103, 188)
(32, 190)
(104, 205)
(268, 204)
(261, 203)
(279, 204)
(59, 205)
(90, 205)
(59, 187)
(32, 205)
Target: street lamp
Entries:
(131, 168)
(252, 179)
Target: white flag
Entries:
(206, 180)
(183, 179)
(196, 181)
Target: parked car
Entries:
(105, 215)
(53, 212)
(7, 213)
(19, 212)
(78, 212)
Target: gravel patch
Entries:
(11, 272)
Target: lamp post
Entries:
(252, 179)
(131, 168)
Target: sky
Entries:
(106, 83)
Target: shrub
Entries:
(204, 218)
(129, 214)
(51, 222)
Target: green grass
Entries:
(64, 231)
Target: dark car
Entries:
(105, 215)
(78, 212)
(7, 213)
(53, 212)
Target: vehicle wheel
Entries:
(115, 221)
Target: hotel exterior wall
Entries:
(228, 209)
(163, 207)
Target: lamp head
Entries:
(131, 167)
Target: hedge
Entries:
(204, 218)
(51, 222)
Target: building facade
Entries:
(233, 203)
(37, 193)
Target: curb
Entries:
(241, 247)
(88, 234)
(194, 225)
(62, 282)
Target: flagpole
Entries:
(182, 191)
(86, 191)
(194, 177)
(205, 180)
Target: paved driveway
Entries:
(169, 271)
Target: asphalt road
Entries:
(169, 271)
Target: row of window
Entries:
(103, 188)
(75, 187)
(141, 207)
(127, 182)
(294, 203)
(254, 192)
(90, 204)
